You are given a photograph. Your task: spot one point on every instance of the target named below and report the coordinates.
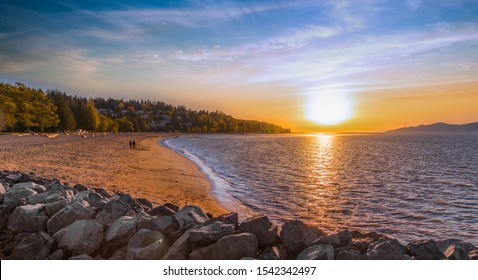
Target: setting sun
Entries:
(329, 108)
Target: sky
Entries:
(370, 65)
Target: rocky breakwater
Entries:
(46, 219)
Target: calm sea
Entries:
(408, 187)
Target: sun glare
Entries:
(329, 108)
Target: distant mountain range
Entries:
(440, 127)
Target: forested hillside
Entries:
(23, 108)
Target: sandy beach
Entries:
(149, 171)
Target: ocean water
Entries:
(408, 187)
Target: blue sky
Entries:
(253, 59)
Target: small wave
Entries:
(441, 202)
(417, 217)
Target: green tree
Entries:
(44, 111)
(92, 117)
(103, 123)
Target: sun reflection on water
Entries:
(322, 192)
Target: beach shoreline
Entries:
(151, 171)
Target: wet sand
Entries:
(149, 171)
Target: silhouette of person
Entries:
(130, 144)
(134, 145)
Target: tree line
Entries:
(23, 109)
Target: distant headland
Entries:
(438, 128)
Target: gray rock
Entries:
(231, 247)
(112, 211)
(455, 252)
(119, 254)
(96, 200)
(80, 188)
(191, 214)
(165, 224)
(349, 255)
(473, 254)
(161, 211)
(425, 250)
(28, 218)
(263, 228)
(80, 237)
(56, 255)
(296, 236)
(121, 231)
(209, 234)
(146, 245)
(445, 243)
(34, 247)
(144, 202)
(386, 249)
(340, 239)
(5, 212)
(18, 193)
(82, 257)
(269, 253)
(77, 210)
(12, 178)
(171, 206)
(181, 247)
(54, 207)
(102, 192)
(44, 198)
(317, 252)
(230, 218)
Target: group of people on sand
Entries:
(132, 144)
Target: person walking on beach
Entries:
(134, 145)
(130, 144)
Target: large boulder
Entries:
(386, 249)
(121, 231)
(112, 211)
(181, 247)
(231, 247)
(444, 244)
(317, 252)
(18, 194)
(455, 252)
(56, 255)
(54, 207)
(36, 246)
(230, 218)
(44, 198)
(209, 234)
(263, 228)
(80, 237)
(145, 203)
(349, 255)
(77, 210)
(425, 250)
(5, 212)
(164, 224)
(161, 211)
(146, 245)
(269, 253)
(28, 218)
(340, 239)
(93, 198)
(191, 214)
(296, 236)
